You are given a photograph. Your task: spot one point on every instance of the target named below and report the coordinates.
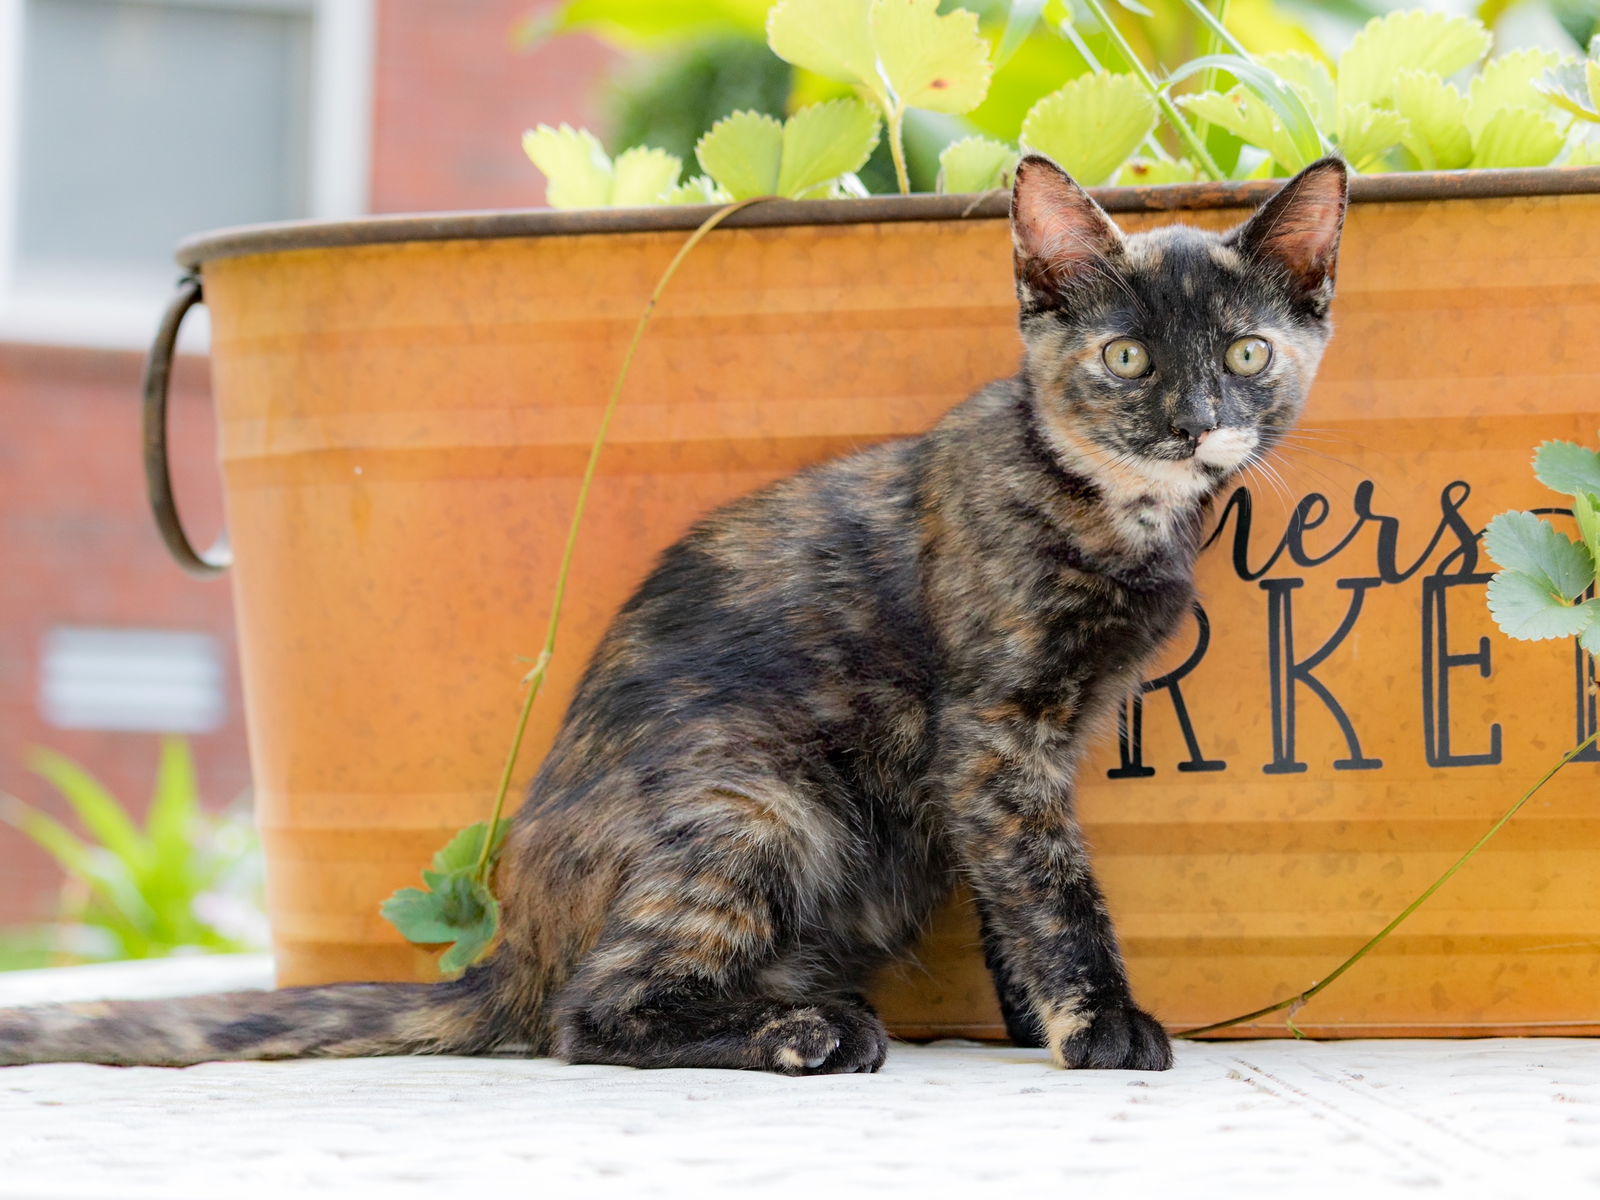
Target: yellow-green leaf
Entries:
(1508, 82)
(1573, 86)
(1517, 137)
(1437, 114)
(830, 37)
(929, 60)
(823, 142)
(642, 174)
(1310, 77)
(1367, 133)
(1413, 39)
(975, 164)
(1148, 172)
(575, 164)
(742, 152)
(1091, 125)
(1245, 115)
(702, 189)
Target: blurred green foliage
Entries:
(182, 881)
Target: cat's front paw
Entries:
(1116, 1038)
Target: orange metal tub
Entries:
(405, 406)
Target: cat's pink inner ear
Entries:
(1299, 226)
(1056, 225)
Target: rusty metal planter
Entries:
(405, 405)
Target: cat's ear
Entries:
(1297, 231)
(1059, 234)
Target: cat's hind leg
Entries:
(703, 961)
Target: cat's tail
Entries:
(344, 1020)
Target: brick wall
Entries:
(77, 546)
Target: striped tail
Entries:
(344, 1020)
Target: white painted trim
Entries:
(338, 175)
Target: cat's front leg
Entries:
(1047, 933)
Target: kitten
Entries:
(836, 697)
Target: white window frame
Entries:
(340, 142)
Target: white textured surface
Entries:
(1506, 1117)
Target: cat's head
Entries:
(1168, 359)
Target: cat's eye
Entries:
(1126, 358)
(1248, 355)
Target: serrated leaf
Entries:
(1517, 137)
(1522, 542)
(1247, 117)
(823, 142)
(418, 916)
(1436, 112)
(1567, 467)
(1508, 82)
(473, 941)
(1289, 111)
(1589, 639)
(1149, 172)
(933, 61)
(1091, 125)
(831, 37)
(575, 164)
(1526, 608)
(463, 851)
(1310, 76)
(702, 189)
(1367, 133)
(1412, 39)
(975, 164)
(743, 152)
(640, 175)
(1586, 511)
(1573, 86)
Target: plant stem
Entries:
(897, 145)
(1218, 31)
(1168, 109)
(535, 678)
(1294, 1002)
(1213, 42)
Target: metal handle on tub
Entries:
(157, 476)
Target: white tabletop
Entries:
(1502, 1117)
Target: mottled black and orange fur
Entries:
(838, 696)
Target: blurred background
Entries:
(126, 125)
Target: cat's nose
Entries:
(1193, 428)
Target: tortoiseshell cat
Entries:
(835, 697)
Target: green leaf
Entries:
(639, 176)
(1508, 82)
(101, 813)
(1436, 112)
(645, 23)
(464, 850)
(1586, 511)
(933, 61)
(702, 189)
(1573, 86)
(419, 917)
(1310, 76)
(975, 164)
(1091, 125)
(1584, 153)
(1021, 17)
(830, 37)
(823, 142)
(474, 941)
(1148, 172)
(1246, 117)
(1521, 542)
(1526, 608)
(743, 152)
(1589, 639)
(1412, 39)
(1299, 142)
(574, 162)
(1367, 133)
(1567, 467)
(175, 806)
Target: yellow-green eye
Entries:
(1248, 355)
(1126, 358)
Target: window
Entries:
(126, 125)
(145, 680)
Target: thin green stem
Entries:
(1213, 41)
(1218, 31)
(896, 113)
(1294, 1002)
(535, 678)
(1168, 109)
